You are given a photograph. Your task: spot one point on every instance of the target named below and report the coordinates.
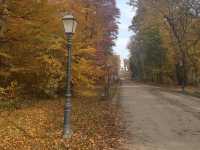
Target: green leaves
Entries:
(170, 44)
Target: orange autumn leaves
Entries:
(35, 41)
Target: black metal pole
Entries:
(68, 94)
(108, 81)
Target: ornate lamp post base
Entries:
(68, 134)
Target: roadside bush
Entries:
(9, 93)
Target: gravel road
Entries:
(157, 119)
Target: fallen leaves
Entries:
(40, 126)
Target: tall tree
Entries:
(178, 22)
(33, 43)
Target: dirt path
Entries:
(158, 119)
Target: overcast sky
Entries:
(124, 34)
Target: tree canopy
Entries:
(167, 35)
(32, 44)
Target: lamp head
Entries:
(69, 24)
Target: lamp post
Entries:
(70, 26)
(107, 89)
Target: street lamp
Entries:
(107, 79)
(70, 26)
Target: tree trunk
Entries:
(3, 16)
(184, 72)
